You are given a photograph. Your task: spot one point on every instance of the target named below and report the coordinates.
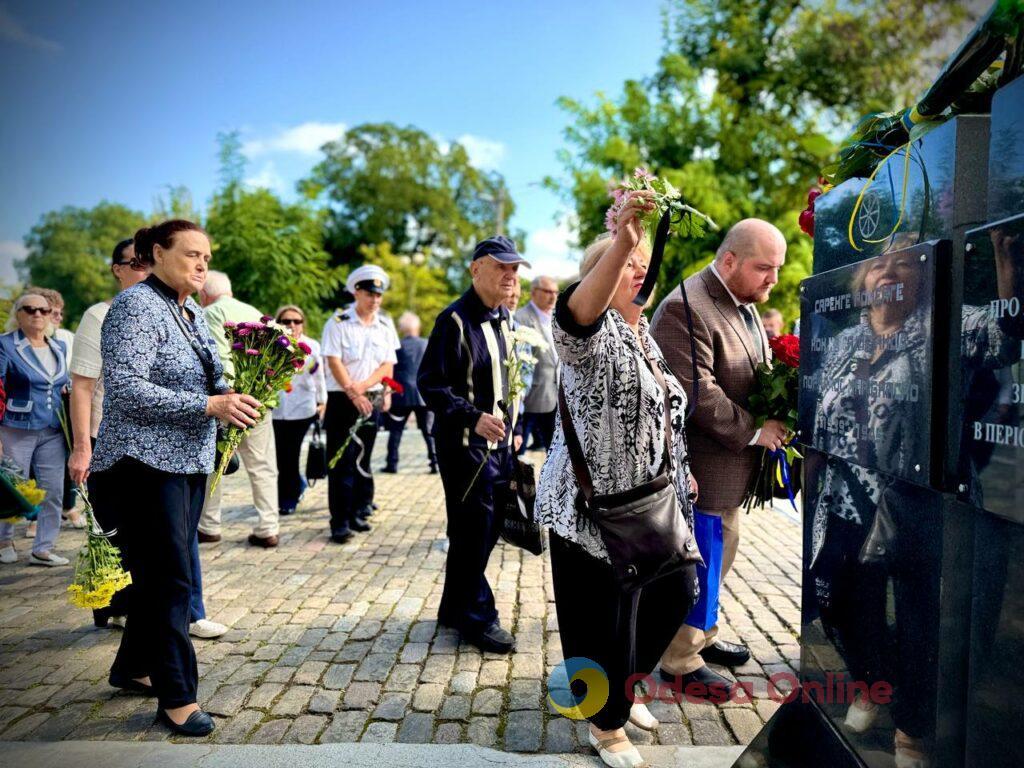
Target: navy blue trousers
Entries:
(467, 602)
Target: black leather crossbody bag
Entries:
(643, 529)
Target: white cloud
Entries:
(12, 30)
(302, 139)
(485, 154)
(551, 252)
(268, 178)
(10, 251)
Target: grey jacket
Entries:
(543, 394)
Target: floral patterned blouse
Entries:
(154, 386)
(618, 410)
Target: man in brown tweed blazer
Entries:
(724, 442)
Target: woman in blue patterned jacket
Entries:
(163, 392)
(35, 371)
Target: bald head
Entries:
(749, 259)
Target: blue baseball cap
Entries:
(499, 248)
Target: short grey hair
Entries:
(217, 284)
(407, 322)
(535, 283)
(12, 320)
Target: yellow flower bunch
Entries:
(98, 572)
(33, 494)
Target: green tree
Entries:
(271, 250)
(69, 251)
(745, 106)
(418, 284)
(388, 184)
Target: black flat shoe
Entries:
(726, 654)
(701, 685)
(493, 639)
(360, 525)
(128, 685)
(198, 724)
(341, 536)
(390, 470)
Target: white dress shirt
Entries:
(309, 388)
(362, 348)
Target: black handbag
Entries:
(316, 456)
(643, 529)
(515, 501)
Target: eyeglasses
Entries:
(549, 291)
(136, 265)
(291, 321)
(44, 311)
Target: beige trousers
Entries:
(259, 458)
(683, 654)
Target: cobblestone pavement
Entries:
(334, 643)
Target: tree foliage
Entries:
(747, 102)
(418, 285)
(272, 251)
(389, 184)
(69, 250)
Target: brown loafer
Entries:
(208, 538)
(263, 541)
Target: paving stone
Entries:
(324, 701)
(524, 694)
(710, 733)
(403, 677)
(375, 667)
(483, 731)
(438, 669)
(523, 731)
(237, 729)
(392, 706)
(271, 732)
(25, 727)
(309, 673)
(344, 727)
(428, 697)
(487, 701)
(305, 729)
(559, 737)
(338, 675)
(265, 695)
(361, 695)
(455, 708)
(448, 733)
(380, 733)
(293, 701)
(744, 723)
(228, 700)
(416, 728)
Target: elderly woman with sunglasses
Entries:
(34, 370)
(297, 409)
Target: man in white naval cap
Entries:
(359, 347)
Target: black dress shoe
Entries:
(341, 535)
(128, 685)
(726, 654)
(702, 684)
(433, 469)
(360, 525)
(390, 470)
(198, 724)
(493, 639)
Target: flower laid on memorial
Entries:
(265, 359)
(377, 401)
(98, 572)
(19, 498)
(523, 342)
(775, 396)
(686, 219)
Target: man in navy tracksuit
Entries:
(464, 381)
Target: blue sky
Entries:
(116, 100)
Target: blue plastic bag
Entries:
(707, 530)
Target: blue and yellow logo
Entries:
(584, 672)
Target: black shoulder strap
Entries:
(198, 346)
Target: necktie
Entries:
(755, 333)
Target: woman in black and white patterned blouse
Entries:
(163, 392)
(611, 367)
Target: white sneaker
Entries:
(627, 758)
(206, 629)
(30, 531)
(118, 621)
(641, 717)
(8, 555)
(50, 560)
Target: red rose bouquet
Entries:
(265, 358)
(775, 396)
(377, 401)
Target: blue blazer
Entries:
(33, 396)
(410, 355)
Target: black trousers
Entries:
(288, 437)
(103, 495)
(467, 601)
(853, 597)
(348, 492)
(157, 517)
(594, 621)
(542, 428)
(396, 420)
